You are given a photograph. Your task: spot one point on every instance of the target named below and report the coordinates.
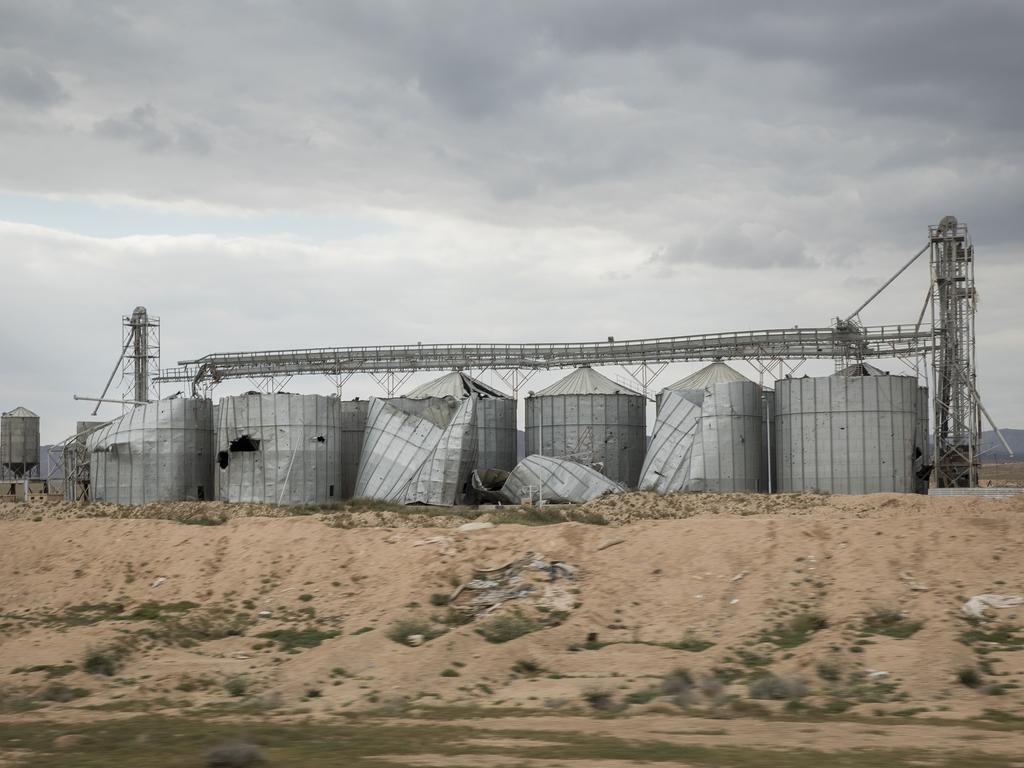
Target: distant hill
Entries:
(989, 441)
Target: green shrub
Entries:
(289, 639)
(527, 667)
(796, 631)
(439, 599)
(403, 629)
(969, 676)
(507, 627)
(62, 693)
(236, 686)
(102, 661)
(774, 687)
(828, 671)
(890, 623)
(599, 699)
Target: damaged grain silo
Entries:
(418, 451)
(160, 451)
(495, 415)
(353, 425)
(853, 432)
(709, 435)
(279, 449)
(589, 417)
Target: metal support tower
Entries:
(957, 420)
(141, 342)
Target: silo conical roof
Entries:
(455, 384)
(21, 413)
(715, 373)
(586, 381)
(861, 369)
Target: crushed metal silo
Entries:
(713, 373)
(353, 425)
(709, 439)
(495, 414)
(279, 449)
(160, 451)
(19, 441)
(588, 417)
(555, 481)
(847, 433)
(418, 451)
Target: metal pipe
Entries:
(113, 373)
(887, 283)
(108, 400)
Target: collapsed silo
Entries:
(708, 439)
(712, 373)
(160, 451)
(353, 425)
(418, 451)
(279, 449)
(495, 414)
(588, 417)
(847, 433)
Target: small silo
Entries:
(279, 449)
(495, 414)
(589, 417)
(19, 442)
(353, 425)
(160, 451)
(847, 433)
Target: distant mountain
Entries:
(993, 450)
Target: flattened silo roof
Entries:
(586, 381)
(455, 384)
(715, 373)
(21, 413)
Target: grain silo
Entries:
(713, 373)
(279, 449)
(495, 414)
(709, 439)
(19, 442)
(160, 451)
(588, 417)
(418, 451)
(847, 433)
(353, 425)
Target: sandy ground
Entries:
(720, 569)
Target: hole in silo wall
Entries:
(222, 459)
(244, 444)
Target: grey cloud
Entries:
(731, 247)
(142, 127)
(29, 84)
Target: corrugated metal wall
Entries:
(19, 443)
(279, 449)
(353, 425)
(607, 429)
(497, 446)
(161, 451)
(846, 434)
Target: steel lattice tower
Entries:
(957, 421)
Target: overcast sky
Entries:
(266, 174)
